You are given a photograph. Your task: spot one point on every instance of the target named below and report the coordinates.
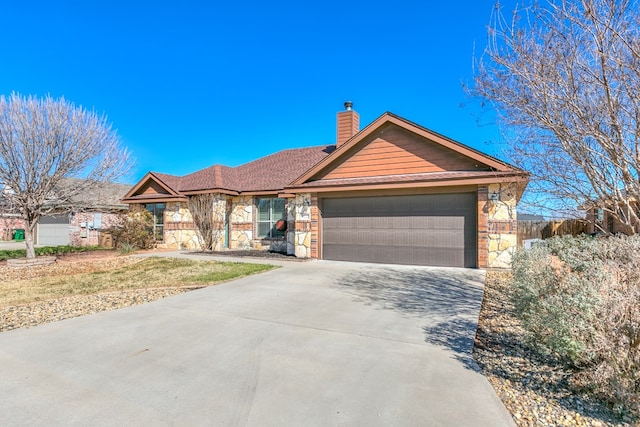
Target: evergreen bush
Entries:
(134, 230)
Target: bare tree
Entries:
(564, 78)
(207, 218)
(44, 143)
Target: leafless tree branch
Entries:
(44, 143)
(564, 76)
(202, 212)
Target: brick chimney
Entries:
(348, 124)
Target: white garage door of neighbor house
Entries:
(53, 231)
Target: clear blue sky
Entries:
(192, 83)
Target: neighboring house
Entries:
(600, 220)
(8, 223)
(9, 220)
(79, 222)
(393, 192)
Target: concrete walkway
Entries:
(309, 344)
(9, 245)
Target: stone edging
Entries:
(33, 262)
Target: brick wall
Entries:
(85, 227)
(315, 226)
(8, 224)
(483, 238)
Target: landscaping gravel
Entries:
(536, 389)
(36, 313)
(24, 316)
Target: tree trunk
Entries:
(30, 226)
(201, 208)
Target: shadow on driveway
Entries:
(447, 300)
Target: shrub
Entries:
(47, 250)
(579, 299)
(134, 229)
(126, 249)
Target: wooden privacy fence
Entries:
(529, 229)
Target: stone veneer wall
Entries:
(241, 223)
(299, 220)
(179, 230)
(501, 226)
(219, 213)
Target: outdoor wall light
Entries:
(494, 197)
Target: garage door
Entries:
(53, 230)
(434, 229)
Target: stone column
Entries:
(291, 223)
(241, 223)
(219, 211)
(502, 225)
(299, 218)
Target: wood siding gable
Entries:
(150, 186)
(393, 150)
(391, 145)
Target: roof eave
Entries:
(130, 201)
(519, 179)
(210, 191)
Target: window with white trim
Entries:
(270, 211)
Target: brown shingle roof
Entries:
(208, 178)
(170, 181)
(88, 195)
(276, 171)
(273, 172)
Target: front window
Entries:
(157, 210)
(270, 211)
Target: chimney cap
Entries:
(348, 105)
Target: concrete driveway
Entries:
(310, 344)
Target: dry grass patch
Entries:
(119, 274)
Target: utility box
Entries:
(105, 240)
